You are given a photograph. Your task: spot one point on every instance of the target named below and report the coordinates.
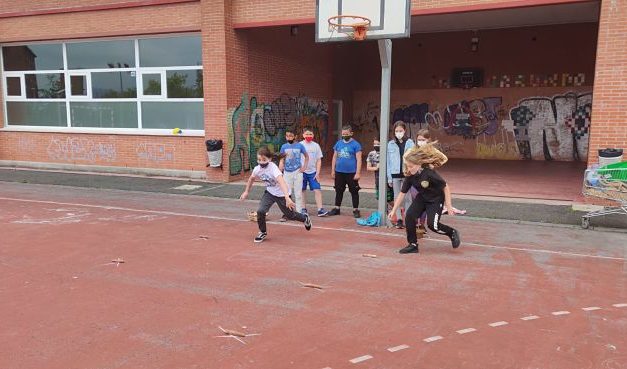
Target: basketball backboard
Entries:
(388, 18)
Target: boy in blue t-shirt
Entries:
(346, 170)
(293, 167)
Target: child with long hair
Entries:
(419, 164)
(276, 192)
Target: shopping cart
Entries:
(608, 183)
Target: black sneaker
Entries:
(455, 240)
(356, 213)
(412, 248)
(261, 236)
(334, 211)
(399, 224)
(307, 222)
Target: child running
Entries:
(431, 198)
(276, 191)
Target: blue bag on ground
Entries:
(372, 221)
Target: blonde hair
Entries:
(424, 156)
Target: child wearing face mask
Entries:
(293, 166)
(276, 192)
(346, 170)
(372, 164)
(420, 163)
(311, 176)
(395, 150)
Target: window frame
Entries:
(138, 70)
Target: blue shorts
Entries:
(311, 180)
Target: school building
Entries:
(100, 84)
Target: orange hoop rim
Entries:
(364, 23)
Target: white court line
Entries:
(398, 348)
(620, 305)
(360, 359)
(556, 313)
(591, 308)
(530, 317)
(467, 330)
(242, 220)
(433, 339)
(498, 324)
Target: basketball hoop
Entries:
(359, 24)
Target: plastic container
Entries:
(214, 153)
(610, 156)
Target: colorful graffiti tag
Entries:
(552, 128)
(253, 124)
(534, 128)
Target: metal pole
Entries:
(385, 52)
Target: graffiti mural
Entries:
(81, 149)
(253, 124)
(552, 128)
(532, 128)
(155, 152)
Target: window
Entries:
(148, 83)
(14, 86)
(33, 57)
(170, 52)
(101, 55)
(78, 83)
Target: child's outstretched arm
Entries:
(249, 184)
(333, 164)
(397, 204)
(448, 200)
(306, 162)
(290, 204)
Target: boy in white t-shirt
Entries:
(311, 176)
(276, 192)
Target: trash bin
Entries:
(610, 156)
(214, 153)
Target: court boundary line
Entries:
(360, 231)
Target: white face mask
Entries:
(399, 135)
(421, 142)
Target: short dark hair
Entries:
(347, 128)
(290, 130)
(308, 129)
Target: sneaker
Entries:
(412, 248)
(304, 211)
(261, 236)
(356, 213)
(399, 224)
(283, 219)
(455, 240)
(322, 213)
(334, 211)
(307, 222)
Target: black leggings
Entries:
(434, 212)
(267, 200)
(341, 180)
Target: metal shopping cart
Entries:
(608, 183)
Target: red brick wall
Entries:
(290, 78)
(132, 21)
(609, 112)
(105, 150)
